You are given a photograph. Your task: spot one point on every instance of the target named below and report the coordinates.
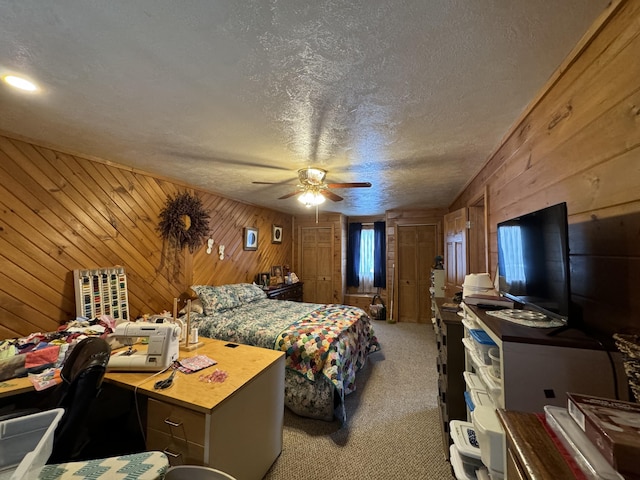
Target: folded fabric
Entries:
(46, 379)
(193, 364)
(42, 356)
(13, 367)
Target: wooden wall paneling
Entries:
(133, 195)
(579, 142)
(42, 206)
(116, 231)
(228, 219)
(59, 212)
(551, 104)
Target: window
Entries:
(365, 269)
(366, 256)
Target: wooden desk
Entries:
(531, 453)
(234, 426)
(15, 386)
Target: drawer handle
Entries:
(171, 454)
(172, 424)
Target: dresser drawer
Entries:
(177, 450)
(176, 422)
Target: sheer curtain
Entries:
(365, 269)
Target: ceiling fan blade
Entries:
(348, 185)
(289, 195)
(331, 196)
(273, 183)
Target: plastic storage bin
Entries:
(482, 342)
(465, 451)
(26, 443)
(494, 355)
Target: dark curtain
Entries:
(353, 255)
(379, 255)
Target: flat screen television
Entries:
(533, 261)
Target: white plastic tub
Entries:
(494, 355)
(26, 444)
(482, 342)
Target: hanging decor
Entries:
(184, 222)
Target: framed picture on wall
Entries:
(250, 238)
(276, 234)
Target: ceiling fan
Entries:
(311, 187)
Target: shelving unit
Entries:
(450, 365)
(538, 368)
(101, 291)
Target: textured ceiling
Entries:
(411, 96)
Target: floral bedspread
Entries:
(328, 340)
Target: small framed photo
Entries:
(276, 234)
(277, 277)
(250, 238)
(264, 279)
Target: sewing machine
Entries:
(162, 348)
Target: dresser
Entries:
(291, 292)
(450, 364)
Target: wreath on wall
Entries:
(184, 221)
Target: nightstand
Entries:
(291, 292)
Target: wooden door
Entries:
(455, 252)
(316, 269)
(477, 236)
(417, 246)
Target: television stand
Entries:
(527, 318)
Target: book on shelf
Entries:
(613, 426)
(493, 300)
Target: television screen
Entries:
(533, 261)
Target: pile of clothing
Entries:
(40, 355)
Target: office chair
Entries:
(82, 375)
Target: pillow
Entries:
(196, 307)
(248, 292)
(216, 299)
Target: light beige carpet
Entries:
(392, 430)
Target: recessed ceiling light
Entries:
(21, 83)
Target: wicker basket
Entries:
(629, 346)
(377, 311)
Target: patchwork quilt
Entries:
(325, 345)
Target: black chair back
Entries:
(82, 376)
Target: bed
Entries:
(324, 344)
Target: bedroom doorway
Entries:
(417, 247)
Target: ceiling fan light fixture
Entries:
(311, 198)
(312, 176)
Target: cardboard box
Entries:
(613, 426)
